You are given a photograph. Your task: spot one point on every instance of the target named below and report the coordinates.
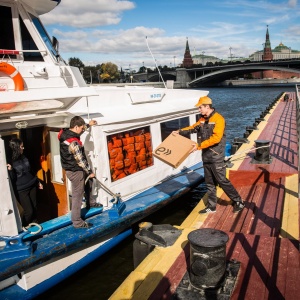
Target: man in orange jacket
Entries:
(210, 130)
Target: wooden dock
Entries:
(264, 237)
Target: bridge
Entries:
(212, 75)
(154, 76)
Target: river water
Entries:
(240, 107)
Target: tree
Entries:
(76, 62)
(109, 72)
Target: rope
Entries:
(242, 152)
(40, 228)
(155, 64)
(106, 189)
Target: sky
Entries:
(132, 34)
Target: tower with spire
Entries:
(187, 60)
(267, 47)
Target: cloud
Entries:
(88, 13)
(292, 3)
(95, 31)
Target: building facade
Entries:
(279, 52)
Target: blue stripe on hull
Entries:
(15, 292)
(105, 225)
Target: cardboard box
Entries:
(174, 150)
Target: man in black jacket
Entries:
(74, 161)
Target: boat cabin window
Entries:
(129, 152)
(198, 117)
(29, 44)
(7, 41)
(169, 126)
(43, 33)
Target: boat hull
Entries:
(64, 250)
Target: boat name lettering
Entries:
(155, 96)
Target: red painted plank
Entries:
(281, 133)
(172, 278)
(278, 269)
(213, 219)
(245, 257)
(266, 210)
(260, 268)
(234, 245)
(293, 272)
(269, 268)
(256, 192)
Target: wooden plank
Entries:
(269, 268)
(251, 207)
(290, 218)
(172, 278)
(245, 257)
(293, 272)
(214, 218)
(234, 246)
(276, 227)
(267, 209)
(260, 268)
(257, 211)
(278, 270)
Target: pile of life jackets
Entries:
(129, 152)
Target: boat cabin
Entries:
(40, 93)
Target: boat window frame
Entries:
(163, 137)
(45, 36)
(15, 29)
(26, 15)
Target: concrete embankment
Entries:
(261, 82)
(226, 83)
(175, 85)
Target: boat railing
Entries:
(7, 52)
(298, 130)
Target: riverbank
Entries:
(227, 83)
(261, 82)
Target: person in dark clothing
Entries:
(24, 182)
(75, 163)
(210, 129)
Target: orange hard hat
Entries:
(203, 100)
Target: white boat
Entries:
(39, 95)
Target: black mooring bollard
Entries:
(262, 155)
(207, 257)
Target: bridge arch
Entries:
(154, 77)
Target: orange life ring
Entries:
(14, 74)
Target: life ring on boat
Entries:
(14, 74)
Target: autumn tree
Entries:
(109, 72)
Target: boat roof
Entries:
(41, 6)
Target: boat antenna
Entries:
(155, 63)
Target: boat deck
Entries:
(264, 237)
